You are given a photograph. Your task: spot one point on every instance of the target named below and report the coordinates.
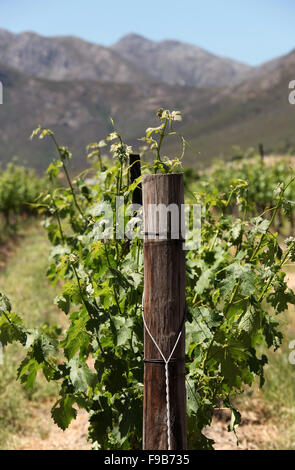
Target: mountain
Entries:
(273, 69)
(78, 112)
(78, 109)
(65, 58)
(177, 63)
(132, 60)
(256, 110)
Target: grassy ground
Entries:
(23, 280)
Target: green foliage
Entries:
(154, 138)
(263, 180)
(235, 289)
(19, 190)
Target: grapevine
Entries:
(236, 287)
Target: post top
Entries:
(146, 178)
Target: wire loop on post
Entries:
(166, 362)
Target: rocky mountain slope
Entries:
(131, 60)
(174, 62)
(65, 58)
(78, 108)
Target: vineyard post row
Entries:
(164, 312)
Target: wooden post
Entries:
(135, 172)
(164, 309)
(261, 151)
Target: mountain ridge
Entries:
(176, 62)
(244, 113)
(64, 57)
(70, 58)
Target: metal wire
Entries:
(166, 361)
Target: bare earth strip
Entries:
(43, 434)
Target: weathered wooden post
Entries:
(135, 172)
(164, 311)
(261, 151)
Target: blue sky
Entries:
(251, 31)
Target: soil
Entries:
(43, 434)
(252, 433)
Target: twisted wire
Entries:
(166, 361)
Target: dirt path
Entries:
(253, 434)
(43, 434)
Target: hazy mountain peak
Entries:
(133, 59)
(64, 58)
(89, 83)
(175, 62)
(131, 37)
